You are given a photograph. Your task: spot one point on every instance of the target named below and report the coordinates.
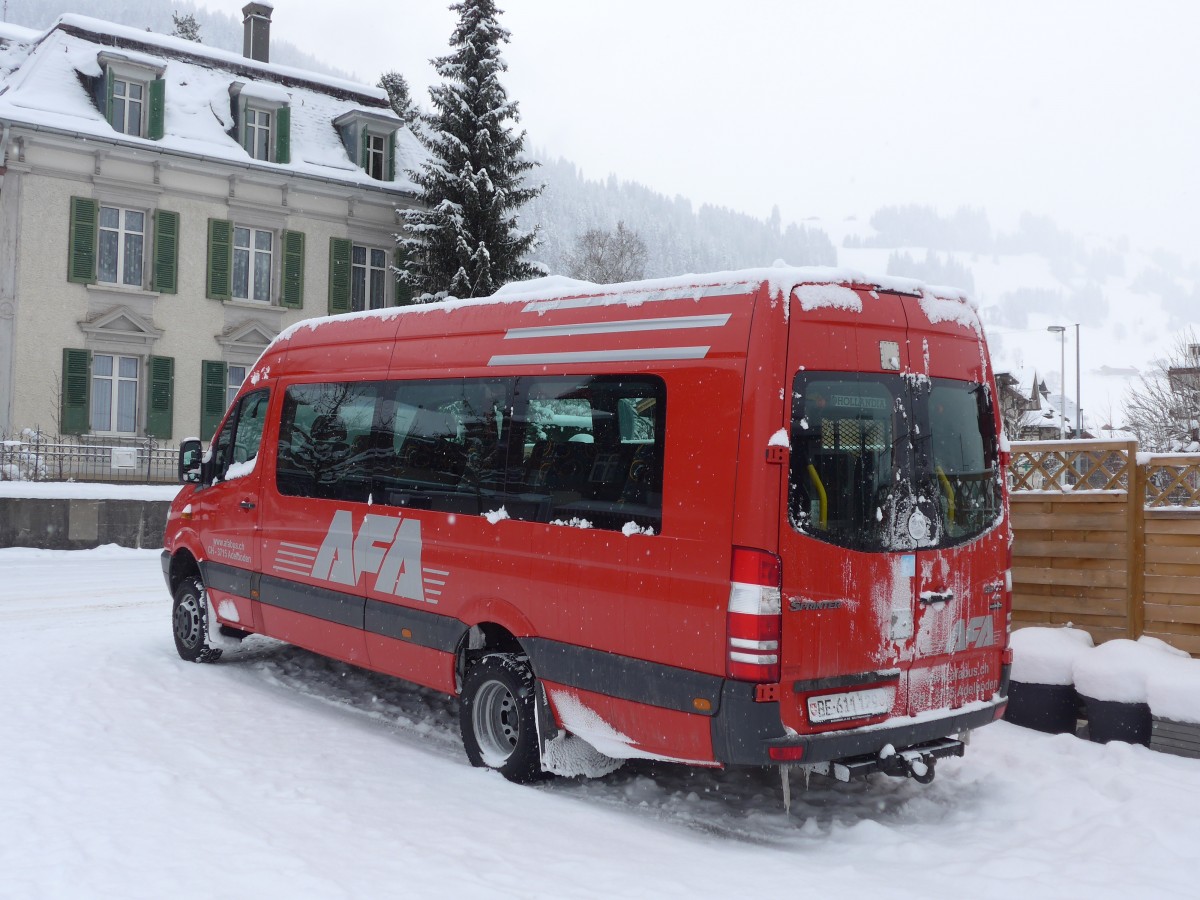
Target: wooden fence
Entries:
(1108, 539)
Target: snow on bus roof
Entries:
(558, 292)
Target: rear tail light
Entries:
(755, 616)
(786, 754)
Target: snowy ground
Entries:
(125, 772)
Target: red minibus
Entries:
(751, 518)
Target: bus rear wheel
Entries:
(189, 622)
(498, 713)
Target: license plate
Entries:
(850, 705)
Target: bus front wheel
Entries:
(189, 622)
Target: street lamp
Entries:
(1061, 331)
(1078, 398)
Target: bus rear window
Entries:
(870, 452)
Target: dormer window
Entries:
(375, 154)
(370, 140)
(128, 103)
(134, 96)
(256, 128)
(262, 121)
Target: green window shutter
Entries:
(212, 396)
(364, 145)
(220, 259)
(283, 135)
(158, 108)
(108, 96)
(161, 406)
(76, 384)
(292, 295)
(339, 275)
(389, 164)
(81, 262)
(166, 251)
(404, 291)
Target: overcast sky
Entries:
(1084, 110)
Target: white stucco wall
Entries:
(48, 309)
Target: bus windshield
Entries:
(890, 462)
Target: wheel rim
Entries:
(187, 622)
(496, 722)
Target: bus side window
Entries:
(325, 441)
(592, 451)
(251, 418)
(240, 436)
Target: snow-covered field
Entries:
(125, 772)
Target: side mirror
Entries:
(191, 454)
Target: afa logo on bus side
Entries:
(387, 547)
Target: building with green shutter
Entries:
(166, 209)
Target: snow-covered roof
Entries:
(940, 304)
(10, 32)
(44, 87)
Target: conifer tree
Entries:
(186, 27)
(399, 97)
(466, 240)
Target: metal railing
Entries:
(34, 455)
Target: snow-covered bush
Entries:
(19, 462)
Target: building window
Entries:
(114, 393)
(126, 113)
(376, 152)
(234, 377)
(368, 268)
(257, 133)
(252, 252)
(121, 246)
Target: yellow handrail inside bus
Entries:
(820, 488)
(948, 490)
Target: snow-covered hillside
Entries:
(1132, 304)
(128, 773)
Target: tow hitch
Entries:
(918, 762)
(909, 764)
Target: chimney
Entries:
(257, 41)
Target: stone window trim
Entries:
(123, 332)
(119, 293)
(120, 330)
(243, 344)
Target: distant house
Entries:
(1031, 412)
(1184, 382)
(166, 209)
